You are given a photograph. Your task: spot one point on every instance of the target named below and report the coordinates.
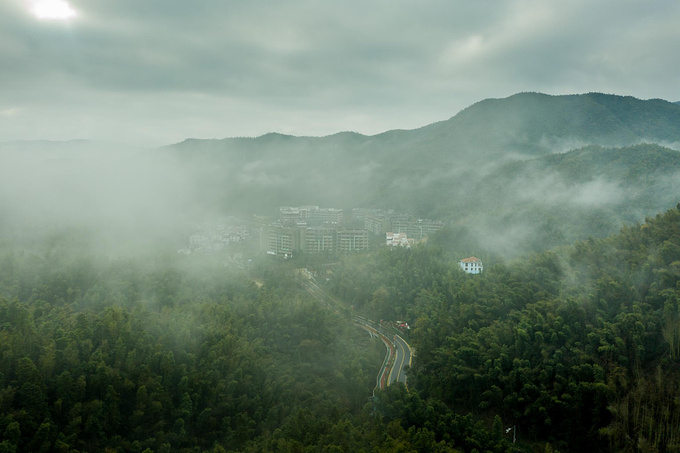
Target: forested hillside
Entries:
(122, 356)
(112, 341)
(538, 124)
(528, 172)
(557, 199)
(577, 347)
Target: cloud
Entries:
(124, 196)
(315, 68)
(552, 190)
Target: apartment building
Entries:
(318, 240)
(281, 241)
(351, 240)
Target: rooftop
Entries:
(472, 259)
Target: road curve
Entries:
(402, 361)
(399, 353)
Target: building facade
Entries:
(318, 240)
(351, 240)
(471, 265)
(281, 241)
(397, 240)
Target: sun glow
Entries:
(53, 10)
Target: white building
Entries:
(397, 239)
(472, 265)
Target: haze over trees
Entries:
(112, 341)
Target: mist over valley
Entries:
(351, 227)
(512, 175)
(240, 294)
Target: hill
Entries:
(559, 198)
(537, 124)
(576, 346)
(498, 163)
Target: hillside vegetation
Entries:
(577, 348)
(112, 341)
(527, 172)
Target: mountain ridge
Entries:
(451, 170)
(519, 173)
(522, 120)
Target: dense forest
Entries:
(129, 357)
(576, 348)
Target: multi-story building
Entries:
(415, 228)
(289, 215)
(318, 240)
(377, 222)
(351, 240)
(306, 210)
(281, 241)
(310, 216)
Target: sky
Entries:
(155, 72)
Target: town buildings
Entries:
(312, 230)
(309, 216)
(283, 241)
(350, 240)
(210, 238)
(379, 221)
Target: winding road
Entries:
(399, 354)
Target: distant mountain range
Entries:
(529, 170)
(525, 172)
(528, 124)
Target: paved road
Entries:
(401, 362)
(402, 351)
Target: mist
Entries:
(159, 298)
(120, 197)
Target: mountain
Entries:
(524, 172)
(537, 124)
(527, 163)
(488, 132)
(555, 199)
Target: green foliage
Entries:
(575, 347)
(166, 358)
(572, 346)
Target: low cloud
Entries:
(132, 195)
(553, 190)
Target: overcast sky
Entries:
(154, 72)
